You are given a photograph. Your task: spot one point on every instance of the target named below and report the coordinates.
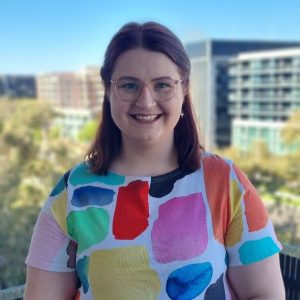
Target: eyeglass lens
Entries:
(131, 89)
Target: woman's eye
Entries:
(162, 85)
(130, 86)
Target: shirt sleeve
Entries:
(250, 236)
(51, 248)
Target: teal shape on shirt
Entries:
(88, 227)
(82, 174)
(82, 272)
(59, 187)
(256, 250)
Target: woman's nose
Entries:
(145, 98)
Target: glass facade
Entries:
(217, 86)
(264, 90)
(246, 133)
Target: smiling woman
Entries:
(149, 214)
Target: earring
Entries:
(181, 114)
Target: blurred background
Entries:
(245, 85)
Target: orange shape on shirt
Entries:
(255, 211)
(216, 178)
(132, 211)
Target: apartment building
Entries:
(264, 90)
(82, 89)
(76, 96)
(209, 83)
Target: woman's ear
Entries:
(186, 87)
(106, 90)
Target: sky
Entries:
(38, 36)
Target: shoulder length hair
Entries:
(154, 37)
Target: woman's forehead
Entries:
(141, 63)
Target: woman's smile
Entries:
(146, 118)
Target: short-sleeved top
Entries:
(171, 236)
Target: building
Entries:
(82, 89)
(209, 83)
(17, 86)
(264, 90)
(76, 96)
(71, 120)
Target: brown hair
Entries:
(154, 37)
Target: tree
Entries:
(32, 160)
(291, 131)
(88, 131)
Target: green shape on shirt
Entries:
(82, 174)
(88, 227)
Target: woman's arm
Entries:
(45, 285)
(261, 280)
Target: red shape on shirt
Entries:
(132, 211)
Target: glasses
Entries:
(129, 90)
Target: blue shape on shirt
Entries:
(189, 281)
(91, 195)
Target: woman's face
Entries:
(145, 120)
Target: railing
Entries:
(290, 268)
(14, 293)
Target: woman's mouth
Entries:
(146, 118)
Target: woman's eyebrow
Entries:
(128, 78)
(162, 77)
(137, 79)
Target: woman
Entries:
(150, 214)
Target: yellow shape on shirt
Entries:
(59, 210)
(235, 228)
(122, 273)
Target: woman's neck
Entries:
(144, 160)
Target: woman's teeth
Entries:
(146, 117)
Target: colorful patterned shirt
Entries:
(171, 236)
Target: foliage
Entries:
(32, 160)
(291, 131)
(88, 131)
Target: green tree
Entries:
(291, 131)
(32, 160)
(88, 131)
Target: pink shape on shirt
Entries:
(42, 253)
(180, 232)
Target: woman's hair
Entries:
(154, 37)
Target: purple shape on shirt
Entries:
(180, 232)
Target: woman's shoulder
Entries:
(81, 174)
(210, 160)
